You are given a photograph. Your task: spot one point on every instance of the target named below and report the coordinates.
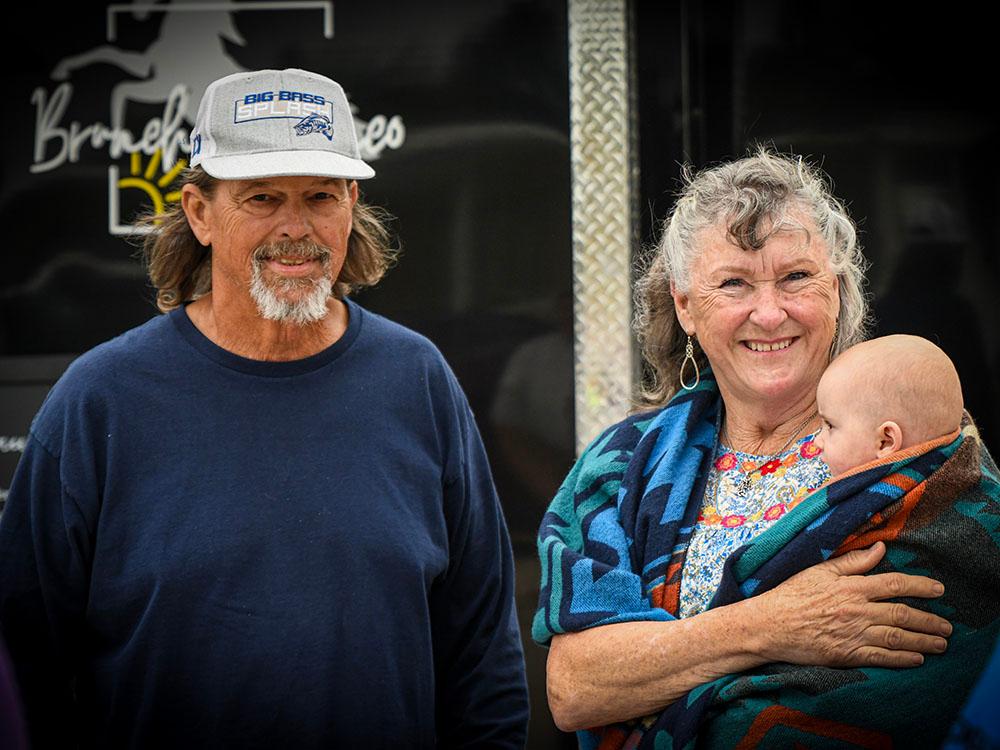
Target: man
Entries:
(264, 519)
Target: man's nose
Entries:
(768, 308)
(294, 223)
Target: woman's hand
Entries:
(827, 615)
(831, 615)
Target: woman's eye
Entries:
(732, 283)
(797, 276)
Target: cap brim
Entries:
(286, 163)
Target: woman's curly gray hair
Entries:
(753, 196)
(180, 267)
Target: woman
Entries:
(756, 285)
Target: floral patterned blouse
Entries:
(743, 497)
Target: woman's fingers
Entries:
(856, 562)
(897, 639)
(900, 616)
(872, 656)
(896, 647)
(893, 585)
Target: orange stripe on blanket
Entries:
(887, 528)
(667, 595)
(902, 481)
(778, 716)
(657, 595)
(612, 738)
(672, 597)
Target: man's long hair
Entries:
(180, 267)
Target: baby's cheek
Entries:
(828, 453)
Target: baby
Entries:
(884, 395)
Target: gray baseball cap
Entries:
(270, 123)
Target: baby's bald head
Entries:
(905, 380)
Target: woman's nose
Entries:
(768, 308)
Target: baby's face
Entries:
(849, 437)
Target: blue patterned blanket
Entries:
(613, 544)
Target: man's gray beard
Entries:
(310, 294)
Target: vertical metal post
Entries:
(604, 216)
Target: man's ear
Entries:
(890, 439)
(682, 306)
(196, 208)
(352, 197)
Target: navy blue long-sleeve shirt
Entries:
(202, 550)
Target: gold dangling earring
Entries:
(689, 357)
(836, 334)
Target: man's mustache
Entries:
(304, 249)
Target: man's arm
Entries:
(44, 550)
(482, 698)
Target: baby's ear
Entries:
(890, 439)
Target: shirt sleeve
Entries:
(44, 571)
(482, 698)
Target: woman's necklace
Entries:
(746, 481)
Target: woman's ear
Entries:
(682, 307)
(890, 439)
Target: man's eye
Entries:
(260, 198)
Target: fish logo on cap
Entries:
(315, 123)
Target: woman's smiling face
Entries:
(764, 318)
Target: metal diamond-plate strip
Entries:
(603, 217)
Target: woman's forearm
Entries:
(626, 670)
(826, 615)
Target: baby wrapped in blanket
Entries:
(887, 395)
(911, 472)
